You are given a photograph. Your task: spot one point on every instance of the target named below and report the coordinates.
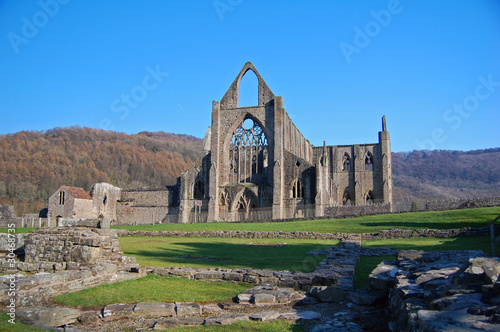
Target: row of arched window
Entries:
(347, 164)
(369, 198)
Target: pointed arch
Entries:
(248, 89)
(247, 151)
(298, 190)
(346, 198)
(369, 161)
(346, 162)
(369, 198)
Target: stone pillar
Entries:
(215, 165)
(385, 150)
(278, 171)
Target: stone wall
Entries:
(461, 203)
(383, 234)
(356, 210)
(79, 245)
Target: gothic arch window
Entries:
(298, 189)
(248, 153)
(369, 199)
(248, 89)
(369, 161)
(199, 189)
(105, 200)
(346, 199)
(346, 162)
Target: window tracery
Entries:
(248, 153)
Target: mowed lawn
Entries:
(412, 220)
(153, 288)
(276, 254)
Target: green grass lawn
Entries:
(273, 326)
(411, 220)
(19, 230)
(152, 288)
(225, 252)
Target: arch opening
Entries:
(248, 90)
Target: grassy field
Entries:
(412, 220)
(19, 230)
(225, 252)
(273, 326)
(152, 288)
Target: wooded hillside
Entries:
(33, 165)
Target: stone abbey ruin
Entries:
(255, 165)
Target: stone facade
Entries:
(255, 165)
(70, 202)
(255, 158)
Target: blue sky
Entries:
(431, 67)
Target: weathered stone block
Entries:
(209, 275)
(226, 320)
(168, 323)
(44, 317)
(300, 315)
(118, 310)
(155, 309)
(327, 293)
(264, 316)
(263, 299)
(233, 276)
(187, 308)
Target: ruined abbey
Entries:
(255, 165)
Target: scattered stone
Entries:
(382, 277)
(118, 310)
(327, 293)
(209, 309)
(226, 320)
(263, 299)
(168, 323)
(89, 316)
(265, 316)
(187, 308)
(300, 315)
(155, 309)
(44, 317)
(366, 296)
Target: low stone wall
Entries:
(79, 245)
(383, 234)
(296, 280)
(36, 289)
(356, 210)
(462, 204)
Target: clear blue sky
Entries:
(431, 67)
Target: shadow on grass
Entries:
(419, 225)
(290, 257)
(435, 244)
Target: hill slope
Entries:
(34, 164)
(446, 174)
